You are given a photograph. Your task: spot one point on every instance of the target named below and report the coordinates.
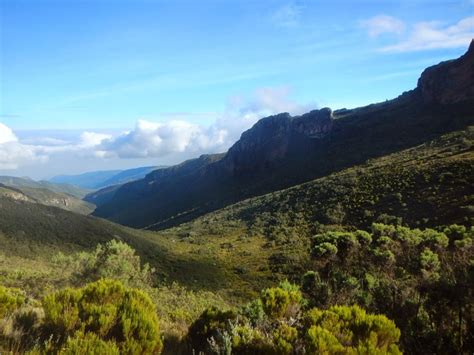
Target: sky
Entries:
(114, 84)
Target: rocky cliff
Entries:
(281, 151)
(449, 82)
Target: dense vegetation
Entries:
(392, 236)
(106, 317)
(422, 279)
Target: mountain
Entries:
(281, 151)
(106, 194)
(100, 179)
(268, 236)
(46, 193)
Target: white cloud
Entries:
(45, 141)
(14, 154)
(155, 139)
(91, 139)
(288, 15)
(431, 35)
(172, 140)
(159, 139)
(6, 134)
(380, 24)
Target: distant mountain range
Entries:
(282, 151)
(66, 197)
(100, 179)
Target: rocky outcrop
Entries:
(449, 82)
(271, 139)
(315, 123)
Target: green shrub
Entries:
(113, 260)
(324, 250)
(281, 301)
(89, 344)
(107, 310)
(211, 324)
(338, 330)
(10, 300)
(343, 329)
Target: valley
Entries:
(306, 228)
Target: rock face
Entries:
(314, 124)
(281, 151)
(273, 138)
(13, 194)
(449, 82)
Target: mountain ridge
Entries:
(46, 193)
(94, 180)
(280, 151)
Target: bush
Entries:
(343, 329)
(113, 260)
(212, 323)
(10, 300)
(282, 301)
(90, 344)
(338, 330)
(104, 310)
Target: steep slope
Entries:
(252, 244)
(128, 175)
(139, 188)
(268, 237)
(39, 192)
(281, 151)
(100, 179)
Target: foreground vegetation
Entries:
(106, 317)
(422, 279)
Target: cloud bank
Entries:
(150, 139)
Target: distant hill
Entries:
(49, 194)
(42, 184)
(28, 228)
(100, 179)
(282, 151)
(106, 194)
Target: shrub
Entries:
(103, 310)
(10, 300)
(324, 250)
(211, 324)
(430, 265)
(281, 301)
(342, 329)
(113, 260)
(89, 344)
(338, 330)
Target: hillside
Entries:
(236, 251)
(245, 246)
(100, 179)
(425, 186)
(42, 184)
(282, 151)
(50, 194)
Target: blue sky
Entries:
(120, 67)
